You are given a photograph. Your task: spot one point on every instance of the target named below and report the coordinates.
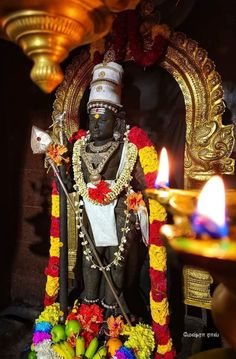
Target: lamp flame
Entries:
(162, 180)
(211, 202)
(210, 216)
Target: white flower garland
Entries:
(122, 182)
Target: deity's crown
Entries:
(105, 87)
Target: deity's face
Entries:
(101, 124)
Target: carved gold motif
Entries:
(47, 30)
(208, 145)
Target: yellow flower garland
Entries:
(157, 211)
(162, 349)
(159, 310)
(148, 159)
(157, 253)
(55, 245)
(157, 257)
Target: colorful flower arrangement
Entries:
(56, 151)
(157, 251)
(83, 335)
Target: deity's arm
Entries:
(138, 182)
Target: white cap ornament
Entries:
(105, 88)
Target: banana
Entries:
(57, 348)
(101, 353)
(80, 346)
(69, 351)
(92, 348)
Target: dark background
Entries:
(25, 183)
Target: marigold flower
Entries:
(55, 152)
(134, 200)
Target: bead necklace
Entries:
(121, 182)
(99, 160)
(102, 148)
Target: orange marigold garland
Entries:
(157, 251)
(52, 269)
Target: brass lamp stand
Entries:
(218, 256)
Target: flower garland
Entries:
(126, 31)
(52, 270)
(141, 57)
(140, 339)
(157, 252)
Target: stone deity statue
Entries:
(107, 173)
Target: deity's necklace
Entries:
(101, 148)
(96, 162)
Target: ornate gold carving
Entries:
(208, 143)
(209, 150)
(48, 29)
(70, 92)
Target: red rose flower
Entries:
(54, 188)
(77, 135)
(158, 284)
(99, 193)
(154, 237)
(169, 355)
(53, 267)
(55, 228)
(150, 179)
(163, 333)
(49, 300)
(139, 137)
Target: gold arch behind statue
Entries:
(208, 143)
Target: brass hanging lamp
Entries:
(47, 30)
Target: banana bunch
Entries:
(64, 349)
(79, 347)
(101, 353)
(92, 351)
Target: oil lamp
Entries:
(203, 234)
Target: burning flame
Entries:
(162, 179)
(211, 202)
